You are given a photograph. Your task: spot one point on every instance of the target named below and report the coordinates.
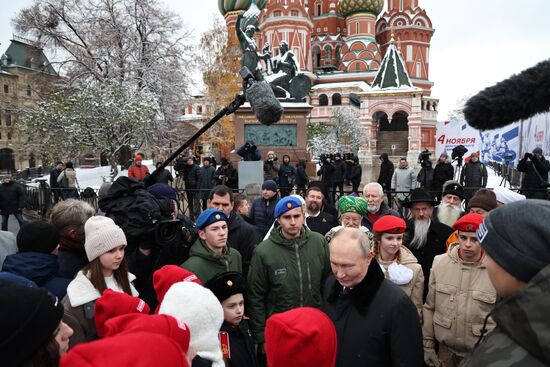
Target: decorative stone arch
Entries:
(381, 25)
(327, 51)
(323, 100)
(400, 21)
(316, 52)
(420, 21)
(336, 99)
(338, 53)
(357, 66)
(399, 121)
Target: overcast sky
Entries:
(476, 43)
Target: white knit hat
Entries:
(102, 235)
(199, 308)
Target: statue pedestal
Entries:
(288, 136)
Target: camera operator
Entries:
(249, 152)
(339, 175)
(159, 243)
(271, 167)
(354, 174)
(326, 173)
(226, 174)
(535, 179)
(425, 177)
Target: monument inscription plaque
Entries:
(278, 135)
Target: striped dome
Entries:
(350, 7)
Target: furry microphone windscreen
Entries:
(514, 99)
(263, 103)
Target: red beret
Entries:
(389, 224)
(469, 222)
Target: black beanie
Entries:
(37, 237)
(516, 237)
(29, 319)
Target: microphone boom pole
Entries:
(226, 111)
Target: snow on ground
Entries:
(93, 177)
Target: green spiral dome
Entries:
(350, 7)
(227, 6)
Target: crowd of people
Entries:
(315, 279)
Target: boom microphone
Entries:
(263, 102)
(516, 98)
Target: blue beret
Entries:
(210, 216)
(285, 204)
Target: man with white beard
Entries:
(450, 209)
(425, 237)
(374, 195)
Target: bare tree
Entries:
(132, 41)
(102, 117)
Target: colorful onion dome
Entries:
(351, 7)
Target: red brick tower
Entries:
(412, 30)
(327, 37)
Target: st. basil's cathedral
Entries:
(357, 56)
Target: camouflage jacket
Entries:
(522, 335)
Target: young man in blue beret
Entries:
(288, 269)
(210, 254)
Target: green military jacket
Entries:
(205, 264)
(522, 335)
(286, 274)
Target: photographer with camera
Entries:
(157, 233)
(354, 173)
(425, 177)
(271, 167)
(249, 152)
(339, 175)
(326, 173)
(535, 180)
(226, 174)
(287, 174)
(473, 176)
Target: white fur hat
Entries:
(102, 235)
(199, 308)
(507, 196)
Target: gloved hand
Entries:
(431, 358)
(528, 156)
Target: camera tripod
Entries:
(505, 173)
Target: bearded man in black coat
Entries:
(376, 323)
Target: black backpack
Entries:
(133, 208)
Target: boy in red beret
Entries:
(460, 298)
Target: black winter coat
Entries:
(164, 176)
(54, 174)
(206, 181)
(241, 345)
(355, 174)
(339, 171)
(229, 179)
(327, 174)
(322, 223)
(41, 268)
(443, 172)
(386, 172)
(243, 237)
(531, 180)
(377, 325)
(435, 245)
(192, 176)
(302, 178)
(12, 198)
(474, 174)
(262, 213)
(286, 175)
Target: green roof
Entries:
(392, 72)
(25, 55)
